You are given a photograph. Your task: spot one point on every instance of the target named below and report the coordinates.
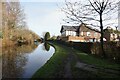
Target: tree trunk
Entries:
(101, 38)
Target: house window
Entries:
(95, 34)
(63, 33)
(111, 35)
(67, 33)
(81, 33)
(70, 33)
(88, 33)
(73, 33)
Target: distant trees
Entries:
(47, 36)
(91, 12)
(53, 38)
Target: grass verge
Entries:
(53, 68)
(90, 59)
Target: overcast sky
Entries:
(44, 15)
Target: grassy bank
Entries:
(55, 67)
(99, 62)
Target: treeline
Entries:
(14, 27)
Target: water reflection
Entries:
(23, 61)
(47, 46)
(14, 59)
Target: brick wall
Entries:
(92, 32)
(76, 38)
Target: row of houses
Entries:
(84, 33)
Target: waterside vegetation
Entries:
(14, 28)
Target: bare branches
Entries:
(89, 11)
(97, 10)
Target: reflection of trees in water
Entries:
(47, 46)
(14, 59)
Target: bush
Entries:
(53, 38)
(111, 50)
(47, 36)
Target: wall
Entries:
(92, 32)
(76, 39)
(73, 38)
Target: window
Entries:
(72, 33)
(63, 33)
(95, 34)
(88, 33)
(81, 33)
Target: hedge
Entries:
(111, 48)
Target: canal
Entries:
(23, 61)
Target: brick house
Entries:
(111, 35)
(80, 33)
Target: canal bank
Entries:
(68, 62)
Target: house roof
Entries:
(75, 28)
(96, 30)
(69, 28)
(110, 30)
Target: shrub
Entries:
(111, 50)
(47, 36)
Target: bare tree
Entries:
(16, 15)
(13, 15)
(14, 26)
(13, 18)
(91, 12)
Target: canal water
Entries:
(23, 61)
